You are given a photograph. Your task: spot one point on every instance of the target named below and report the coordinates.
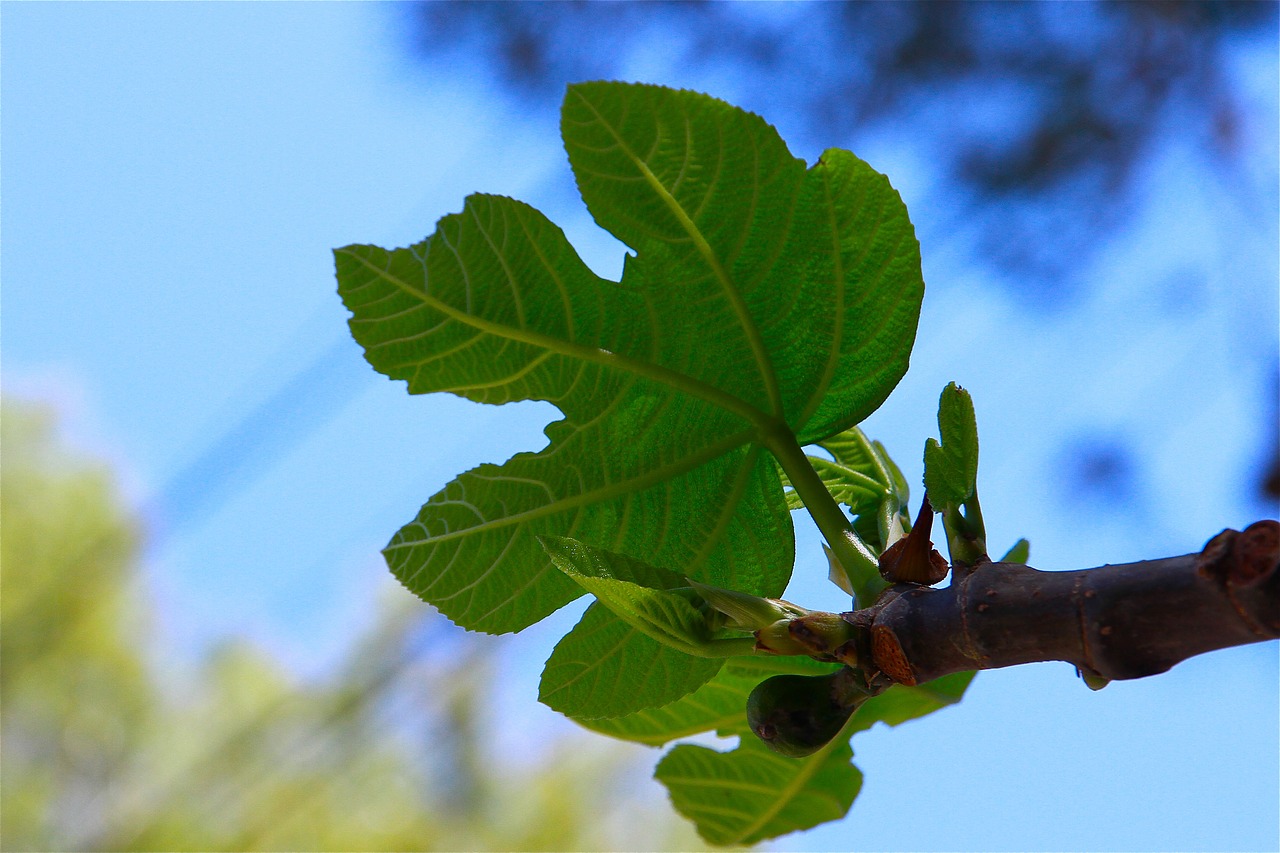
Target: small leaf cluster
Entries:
(766, 306)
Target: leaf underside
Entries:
(761, 296)
(752, 793)
(759, 292)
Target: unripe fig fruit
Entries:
(796, 715)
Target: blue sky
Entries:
(175, 176)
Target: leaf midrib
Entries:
(837, 342)
(660, 474)
(760, 419)
(812, 765)
(754, 339)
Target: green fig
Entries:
(796, 715)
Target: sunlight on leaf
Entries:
(760, 292)
(766, 305)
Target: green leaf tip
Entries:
(1019, 553)
(951, 466)
(951, 476)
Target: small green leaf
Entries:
(753, 793)
(863, 478)
(885, 508)
(1019, 553)
(951, 476)
(879, 514)
(848, 485)
(606, 668)
(951, 467)
(641, 596)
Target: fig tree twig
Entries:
(1113, 622)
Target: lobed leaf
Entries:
(763, 299)
(761, 295)
(632, 453)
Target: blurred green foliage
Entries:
(103, 750)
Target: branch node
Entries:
(1241, 562)
(889, 658)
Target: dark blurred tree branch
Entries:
(1037, 117)
(1042, 111)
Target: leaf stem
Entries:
(847, 545)
(966, 532)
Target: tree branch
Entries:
(1116, 622)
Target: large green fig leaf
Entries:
(764, 302)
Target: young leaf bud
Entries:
(912, 559)
(820, 633)
(777, 639)
(746, 612)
